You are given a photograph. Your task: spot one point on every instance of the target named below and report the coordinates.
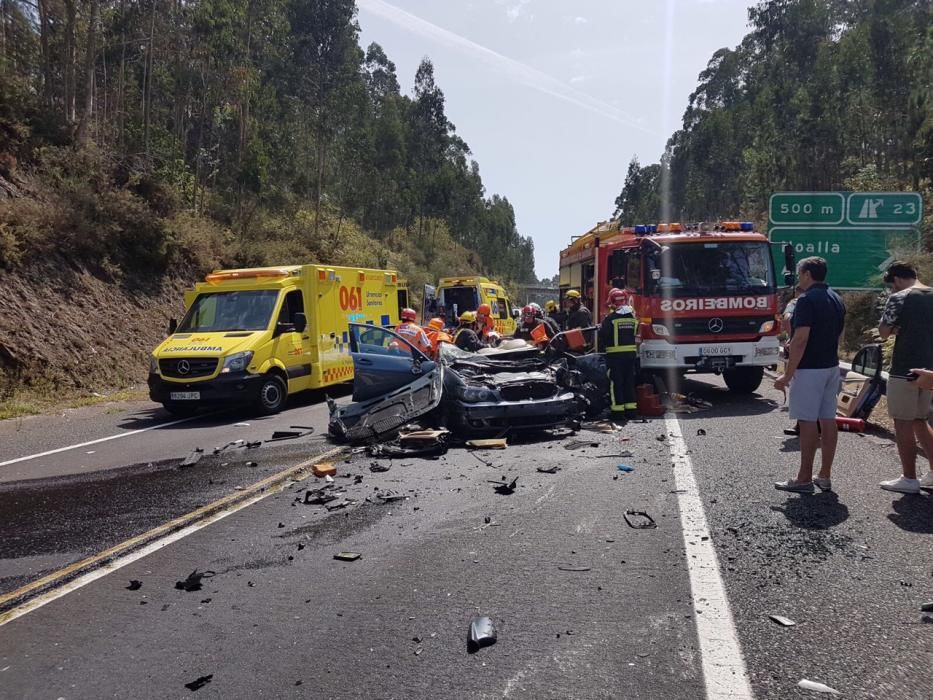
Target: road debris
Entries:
(507, 489)
(193, 582)
(338, 506)
(241, 425)
(482, 634)
(782, 621)
(601, 427)
(347, 556)
(199, 683)
(389, 496)
(134, 585)
(375, 467)
(318, 497)
(625, 468)
(323, 469)
(927, 607)
(426, 448)
(549, 470)
(253, 445)
(571, 567)
(817, 687)
(234, 443)
(639, 520)
(252, 464)
(291, 434)
(577, 444)
(488, 444)
(701, 432)
(193, 458)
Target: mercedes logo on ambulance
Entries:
(183, 367)
(715, 325)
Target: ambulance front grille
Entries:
(188, 367)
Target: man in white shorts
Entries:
(812, 373)
(908, 316)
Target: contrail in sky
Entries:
(521, 72)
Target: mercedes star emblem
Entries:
(715, 325)
(184, 367)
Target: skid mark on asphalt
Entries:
(724, 669)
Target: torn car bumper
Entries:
(497, 415)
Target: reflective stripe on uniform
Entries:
(623, 333)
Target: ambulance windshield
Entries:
(689, 269)
(229, 311)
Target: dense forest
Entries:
(141, 136)
(820, 95)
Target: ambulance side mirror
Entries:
(301, 322)
(172, 326)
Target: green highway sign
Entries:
(856, 255)
(874, 208)
(816, 208)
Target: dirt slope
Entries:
(73, 331)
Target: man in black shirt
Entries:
(812, 373)
(908, 316)
(579, 316)
(466, 337)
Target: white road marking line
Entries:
(724, 669)
(98, 441)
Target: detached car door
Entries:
(393, 383)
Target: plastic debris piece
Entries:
(134, 585)
(927, 607)
(488, 444)
(199, 683)
(338, 506)
(701, 432)
(389, 496)
(571, 567)
(235, 443)
(782, 621)
(253, 445)
(661, 438)
(482, 634)
(252, 464)
(625, 468)
(193, 458)
(193, 582)
(378, 468)
(549, 470)
(347, 556)
(241, 425)
(816, 687)
(285, 434)
(323, 469)
(639, 520)
(507, 489)
(318, 497)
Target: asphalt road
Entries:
(282, 618)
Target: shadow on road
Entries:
(820, 511)
(913, 513)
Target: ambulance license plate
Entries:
(715, 350)
(185, 395)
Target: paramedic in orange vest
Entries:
(414, 333)
(617, 340)
(437, 335)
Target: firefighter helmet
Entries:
(408, 315)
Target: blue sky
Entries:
(554, 98)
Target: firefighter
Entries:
(579, 316)
(466, 337)
(556, 314)
(617, 340)
(412, 332)
(531, 318)
(437, 335)
(486, 325)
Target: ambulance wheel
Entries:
(743, 380)
(181, 410)
(272, 395)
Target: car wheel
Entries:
(743, 380)
(181, 410)
(272, 394)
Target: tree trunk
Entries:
(90, 60)
(320, 184)
(70, 58)
(147, 94)
(46, 59)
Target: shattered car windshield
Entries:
(230, 311)
(704, 268)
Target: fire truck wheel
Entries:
(743, 380)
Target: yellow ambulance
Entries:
(454, 295)
(258, 335)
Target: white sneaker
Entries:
(927, 481)
(901, 484)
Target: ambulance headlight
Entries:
(153, 365)
(237, 362)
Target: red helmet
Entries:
(617, 297)
(484, 310)
(408, 315)
(528, 310)
(536, 309)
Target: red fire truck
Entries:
(705, 296)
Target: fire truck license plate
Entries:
(185, 396)
(715, 350)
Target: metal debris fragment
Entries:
(347, 556)
(639, 520)
(782, 621)
(193, 458)
(482, 634)
(817, 687)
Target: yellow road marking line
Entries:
(103, 562)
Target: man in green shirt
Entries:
(908, 316)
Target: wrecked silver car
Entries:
(470, 393)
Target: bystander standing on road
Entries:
(787, 325)
(908, 316)
(812, 373)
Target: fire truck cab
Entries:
(705, 296)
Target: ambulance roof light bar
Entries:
(255, 273)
